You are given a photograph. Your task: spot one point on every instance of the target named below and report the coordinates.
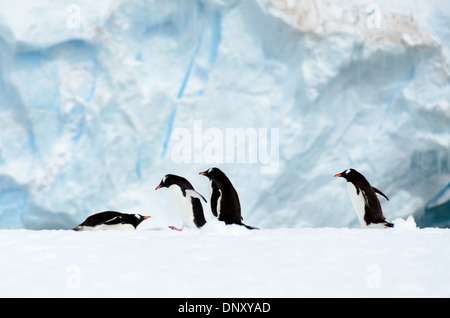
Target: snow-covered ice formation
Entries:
(93, 94)
(227, 261)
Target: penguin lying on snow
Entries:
(111, 220)
(224, 199)
(186, 201)
(364, 199)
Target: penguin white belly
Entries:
(219, 199)
(210, 190)
(358, 203)
(376, 226)
(103, 227)
(183, 205)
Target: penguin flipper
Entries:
(380, 193)
(195, 194)
(114, 220)
(199, 217)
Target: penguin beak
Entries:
(203, 173)
(338, 175)
(146, 217)
(160, 185)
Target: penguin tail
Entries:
(250, 227)
(78, 228)
(387, 224)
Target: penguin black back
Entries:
(225, 204)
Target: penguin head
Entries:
(167, 181)
(211, 173)
(141, 218)
(137, 219)
(171, 179)
(349, 175)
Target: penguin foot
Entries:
(175, 228)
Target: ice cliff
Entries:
(96, 98)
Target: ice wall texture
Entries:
(91, 94)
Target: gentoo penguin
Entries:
(186, 201)
(225, 203)
(364, 199)
(110, 220)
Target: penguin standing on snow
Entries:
(111, 220)
(364, 199)
(186, 201)
(225, 203)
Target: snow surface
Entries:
(227, 261)
(92, 94)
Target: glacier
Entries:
(92, 94)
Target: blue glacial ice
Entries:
(92, 93)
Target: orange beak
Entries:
(202, 173)
(338, 175)
(158, 187)
(146, 217)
